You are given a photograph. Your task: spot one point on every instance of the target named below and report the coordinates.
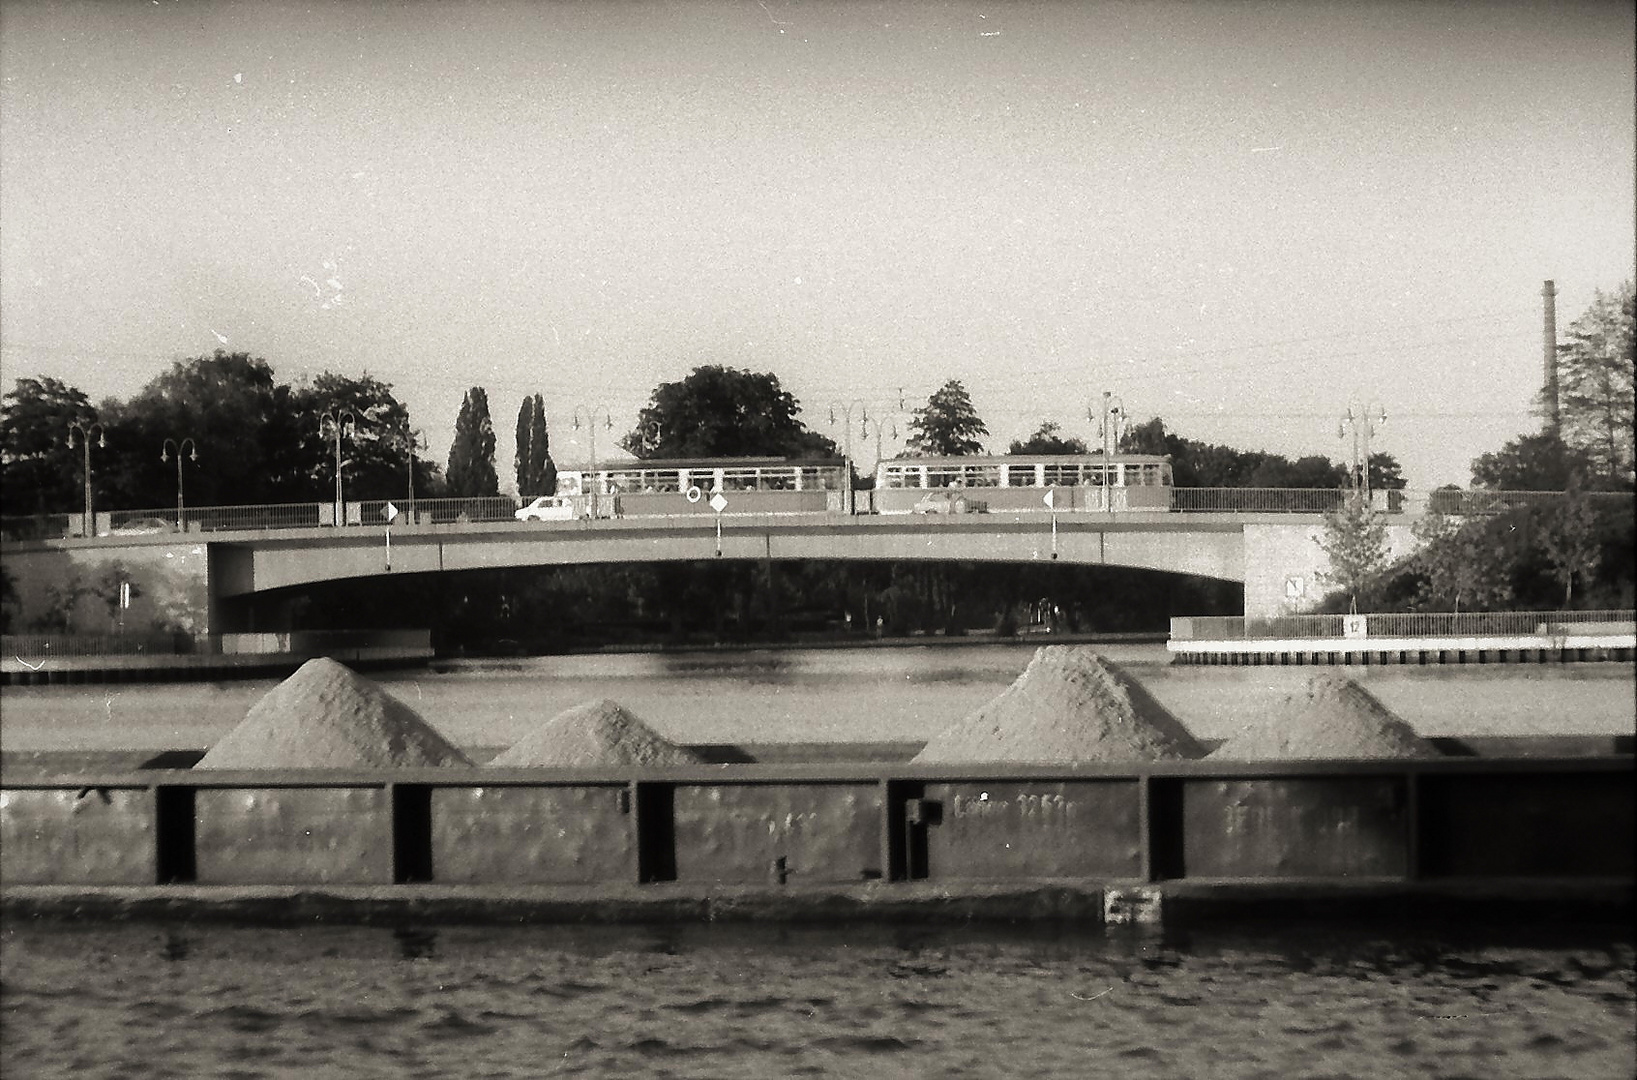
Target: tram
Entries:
(975, 484)
(1014, 483)
(683, 486)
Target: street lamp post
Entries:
(589, 417)
(847, 503)
(1112, 428)
(878, 426)
(415, 443)
(1363, 427)
(192, 449)
(89, 528)
(338, 419)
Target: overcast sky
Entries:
(1238, 217)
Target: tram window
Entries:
(904, 476)
(1096, 475)
(942, 478)
(1061, 474)
(1020, 476)
(982, 475)
(739, 479)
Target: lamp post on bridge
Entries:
(337, 420)
(192, 449)
(90, 526)
(1112, 429)
(879, 427)
(415, 443)
(1363, 427)
(589, 417)
(846, 410)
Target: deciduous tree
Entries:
(1047, 440)
(1355, 541)
(1595, 380)
(1569, 540)
(40, 473)
(1541, 462)
(723, 412)
(947, 425)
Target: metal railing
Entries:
(311, 642)
(35, 646)
(35, 527)
(502, 508)
(1480, 503)
(1424, 624)
(1258, 500)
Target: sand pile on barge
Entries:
(1332, 717)
(327, 717)
(595, 733)
(1069, 704)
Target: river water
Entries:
(184, 1000)
(716, 1001)
(820, 695)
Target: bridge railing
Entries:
(1258, 500)
(1405, 625)
(502, 508)
(37, 646)
(305, 642)
(35, 527)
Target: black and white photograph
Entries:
(834, 538)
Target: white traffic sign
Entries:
(718, 503)
(389, 511)
(1051, 504)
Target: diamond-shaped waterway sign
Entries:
(389, 512)
(718, 503)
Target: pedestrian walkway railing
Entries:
(503, 508)
(304, 642)
(1427, 624)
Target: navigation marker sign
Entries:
(719, 504)
(389, 512)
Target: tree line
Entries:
(242, 437)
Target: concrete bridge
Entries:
(209, 582)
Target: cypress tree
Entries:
(536, 472)
(472, 454)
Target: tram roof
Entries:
(662, 464)
(1031, 459)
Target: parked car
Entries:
(548, 508)
(948, 501)
(147, 526)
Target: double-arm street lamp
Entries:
(846, 411)
(337, 420)
(1358, 421)
(90, 527)
(415, 443)
(192, 450)
(589, 418)
(878, 427)
(1113, 427)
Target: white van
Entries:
(548, 508)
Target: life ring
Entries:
(694, 494)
